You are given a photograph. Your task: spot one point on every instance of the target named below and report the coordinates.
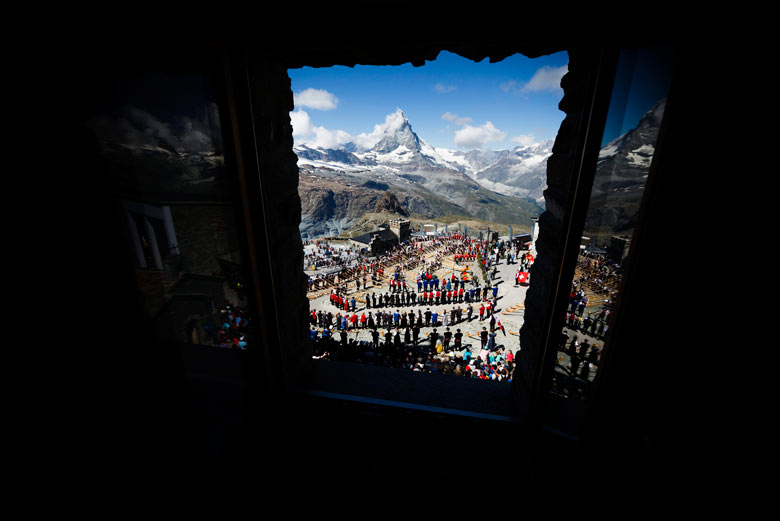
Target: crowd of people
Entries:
(234, 328)
(595, 324)
(492, 362)
(437, 306)
(407, 321)
(358, 270)
(599, 276)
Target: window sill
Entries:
(438, 393)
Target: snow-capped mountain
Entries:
(338, 185)
(621, 174)
(519, 172)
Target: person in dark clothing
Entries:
(564, 341)
(434, 336)
(574, 360)
(375, 337)
(483, 337)
(584, 348)
(416, 333)
(446, 339)
(427, 317)
(593, 356)
(458, 338)
(585, 371)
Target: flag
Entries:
(522, 276)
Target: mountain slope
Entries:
(620, 179)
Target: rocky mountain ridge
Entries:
(621, 175)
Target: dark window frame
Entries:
(601, 62)
(244, 151)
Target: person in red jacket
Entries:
(481, 311)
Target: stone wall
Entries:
(272, 101)
(544, 270)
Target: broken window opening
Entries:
(364, 311)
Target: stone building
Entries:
(401, 228)
(386, 237)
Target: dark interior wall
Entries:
(204, 233)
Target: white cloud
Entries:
(440, 88)
(525, 140)
(544, 79)
(330, 138)
(449, 116)
(305, 132)
(478, 137)
(301, 123)
(392, 123)
(317, 99)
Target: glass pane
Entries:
(635, 114)
(160, 136)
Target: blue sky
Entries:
(643, 78)
(451, 102)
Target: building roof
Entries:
(384, 234)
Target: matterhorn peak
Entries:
(401, 114)
(396, 132)
(397, 121)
